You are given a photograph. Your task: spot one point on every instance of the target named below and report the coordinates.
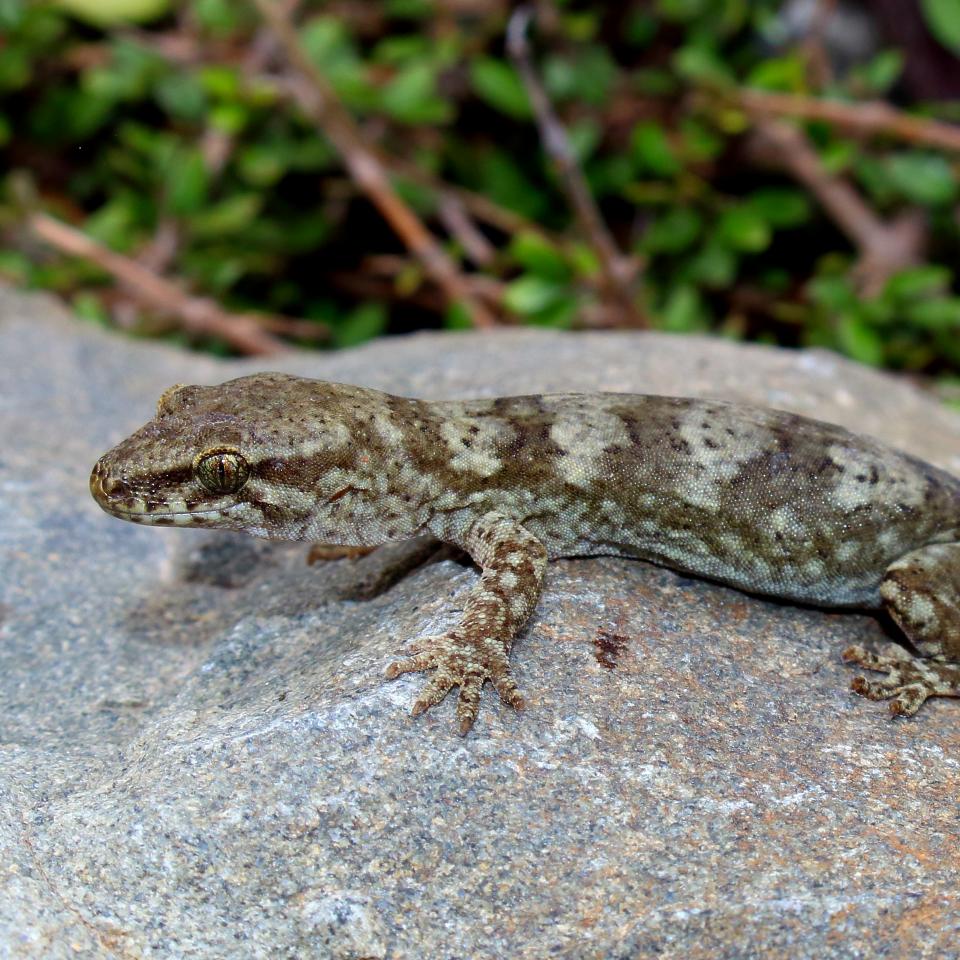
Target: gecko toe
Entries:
(909, 699)
(863, 657)
(434, 690)
(468, 704)
(422, 661)
(875, 689)
(505, 686)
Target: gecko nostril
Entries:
(102, 485)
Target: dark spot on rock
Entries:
(607, 648)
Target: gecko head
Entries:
(263, 454)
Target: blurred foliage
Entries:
(126, 127)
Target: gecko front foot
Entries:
(909, 682)
(464, 661)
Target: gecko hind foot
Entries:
(459, 661)
(909, 682)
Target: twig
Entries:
(884, 248)
(243, 331)
(868, 119)
(456, 219)
(618, 271)
(319, 101)
(814, 45)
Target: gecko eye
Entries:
(221, 471)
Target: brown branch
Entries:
(814, 47)
(884, 247)
(617, 270)
(245, 332)
(456, 219)
(318, 100)
(867, 119)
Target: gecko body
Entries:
(763, 500)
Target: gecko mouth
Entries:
(108, 492)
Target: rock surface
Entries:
(199, 756)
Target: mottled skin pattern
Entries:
(766, 501)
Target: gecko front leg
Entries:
(922, 593)
(512, 563)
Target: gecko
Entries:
(769, 502)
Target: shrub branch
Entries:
(318, 100)
(247, 333)
(618, 271)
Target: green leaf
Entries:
(652, 151)
(181, 94)
(498, 84)
(681, 11)
(882, 72)
(588, 75)
(411, 96)
(218, 16)
(781, 207)
(539, 256)
(186, 181)
(744, 229)
(918, 283)
(558, 315)
(260, 165)
(367, 321)
(106, 13)
(925, 178)
(220, 82)
(858, 340)
(584, 136)
(940, 314)
(702, 64)
(835, 293)
(227, 217)
(714, 266)
(457, 317)
(674, 231)
(530, 294)
(779, 73)
(943, 19)
(114, 224)
(641, 27)
(684, 311)
(701, 142)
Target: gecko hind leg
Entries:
(909, 682)
(922, 593)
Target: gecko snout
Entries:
(104, 487)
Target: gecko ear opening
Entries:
(174, 398)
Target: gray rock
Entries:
(199, 756)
